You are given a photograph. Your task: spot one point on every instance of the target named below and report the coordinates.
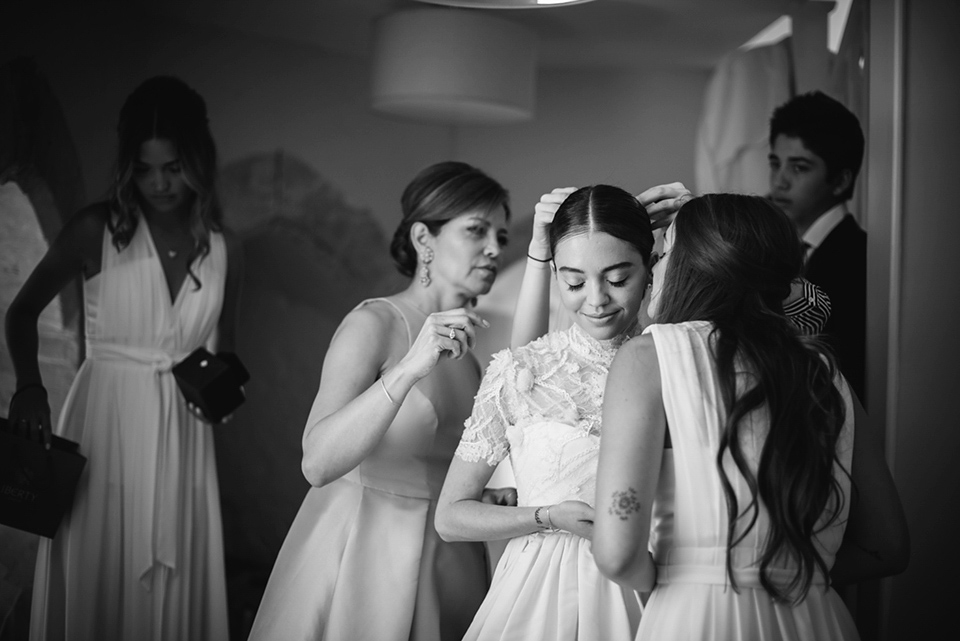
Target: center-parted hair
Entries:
(166, 108)
(605, 209)
(731, 263)
(438, 194)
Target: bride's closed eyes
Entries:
(614, 280)
(613, 283)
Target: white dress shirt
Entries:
(822, 227)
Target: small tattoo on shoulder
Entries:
(624, 504)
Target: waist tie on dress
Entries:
(707, 566)
(410, 488)
(158, 359)
(166, 515)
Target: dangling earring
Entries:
(424, 270)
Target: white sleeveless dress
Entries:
(140, 556)
(362, 560)
(541, 405)
(693, 599)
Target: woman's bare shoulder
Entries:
(371, 323)
(88, 223)
(371, 334)
(80, 241)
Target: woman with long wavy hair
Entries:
(140, 556)
(742, 443)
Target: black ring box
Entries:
(214, 383)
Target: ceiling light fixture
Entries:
(506, 4)
(462, 67)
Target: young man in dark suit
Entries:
(816, 150)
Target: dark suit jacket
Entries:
(839, 267)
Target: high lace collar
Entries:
(605, 348)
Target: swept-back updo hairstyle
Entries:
(166, 108)
(604, 209)
(438, 194)
(731, 263)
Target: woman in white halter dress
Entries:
(143, 543)
(140, 554)
(741, 443)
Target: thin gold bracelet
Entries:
(389, 398)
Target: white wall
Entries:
(624, 128)
(628, 128)
(261, 96)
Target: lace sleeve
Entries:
(485, 432)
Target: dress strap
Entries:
(405, 310)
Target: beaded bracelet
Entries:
(536, 517)
(548, 526)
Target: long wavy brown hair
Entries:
(731, 264)
(166, 108)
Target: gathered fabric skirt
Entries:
(712, 612)
(362, 564)
(140, 555)
(547, 587)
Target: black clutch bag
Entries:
(36, 484)
(214, 383)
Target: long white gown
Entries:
(541, 405)
(693, 599)
(140, 556)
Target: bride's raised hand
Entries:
(449, 333)
(543, 214)
(663, 201)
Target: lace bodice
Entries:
(541, 405)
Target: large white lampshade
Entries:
(506, 4)
(454, 66)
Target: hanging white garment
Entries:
(732, 137)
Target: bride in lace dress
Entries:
(540, 404)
